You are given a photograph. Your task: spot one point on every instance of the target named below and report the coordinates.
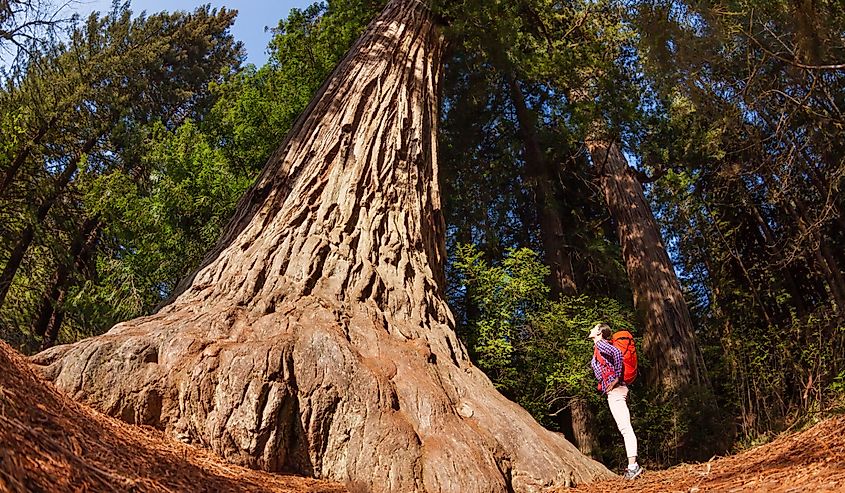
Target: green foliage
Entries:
(181, 131)
(84, 110)
(742, 91)
(536, 352)
(534, 349)
(490, 187)
(158, 229)
(256, 107)
(578, 56)
(838, 384)
(506, 296)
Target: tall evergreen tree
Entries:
(752, 111)
(322, 311)
(109, 81)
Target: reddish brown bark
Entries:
(539, 174)
(583, 426)
(668, 336)
(315, 338)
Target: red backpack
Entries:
(624, 342)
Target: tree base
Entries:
(320, 391)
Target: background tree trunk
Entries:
(316, 338)
(668, 339)
(28, 234)
(538, 173)
(51, 312)
(583, 426)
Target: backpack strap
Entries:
(605, 368)
(598, 356)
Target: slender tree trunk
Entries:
(824, 257)
(738, 266)
(22, 155)
(669, 339)
(539, 174)
(28, 234)
(825, 260)
(769, 240)
(583, 426)
(51, 313)
(808, 42)
(49, 300)
(716, 273)
(316, 337)
(818, 177)
(14, 261)
(825, 189)
(54, 322)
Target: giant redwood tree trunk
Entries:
(668, 337)
(677, 365)
(316, 337)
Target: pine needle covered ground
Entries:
(48, 442)
(810, 461)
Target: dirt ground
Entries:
(49, 443)
(809, 461)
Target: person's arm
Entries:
(618, 365)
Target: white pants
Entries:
(617, 399)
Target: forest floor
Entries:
(48, 442)
(812, 460)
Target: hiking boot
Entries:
(632, 473)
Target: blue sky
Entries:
(253, 16)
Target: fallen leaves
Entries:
(50, 443)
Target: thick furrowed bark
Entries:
(315, 338)
(668, 339)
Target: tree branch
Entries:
(794, 63)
